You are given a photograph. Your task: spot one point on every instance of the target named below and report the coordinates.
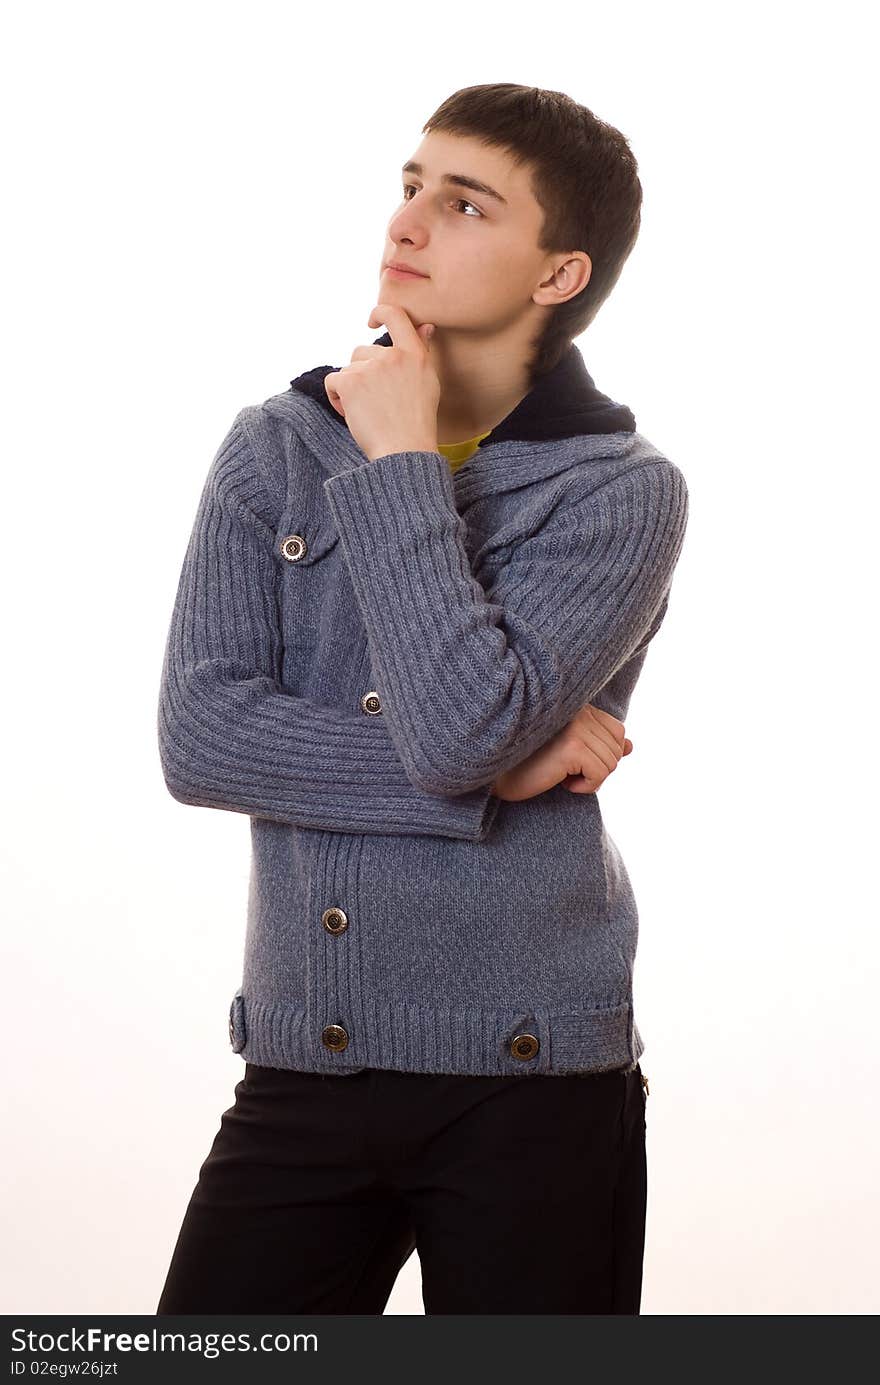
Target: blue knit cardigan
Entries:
(357, 650)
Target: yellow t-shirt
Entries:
(458, 452)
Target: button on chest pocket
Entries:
(301, 542)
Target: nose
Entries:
(406, 224)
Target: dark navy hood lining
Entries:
(564, 403)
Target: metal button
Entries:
(370, 703)
(335, 920)
(334, 1036)
(524, 1046)
(293, 547)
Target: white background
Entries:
(197, 198)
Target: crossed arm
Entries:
(520, 659)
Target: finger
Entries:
(579, 783)
(600, 729)
(594, 761)
(605, 756)
(399, 323)
(607, 720)
(368, 353)
(345, 377)
(332, 391)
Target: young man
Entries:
(416, 600)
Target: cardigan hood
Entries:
(563, 403)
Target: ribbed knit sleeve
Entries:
(474, 679)
(230, 736)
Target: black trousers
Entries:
(521, 1195)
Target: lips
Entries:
(404, 269)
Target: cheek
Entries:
(508, 262)
(491, 274)
(484, 280)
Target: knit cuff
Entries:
(384, 500)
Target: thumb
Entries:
(426, 331)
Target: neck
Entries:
(481, 381)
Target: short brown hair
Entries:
(584, 175)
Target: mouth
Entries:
(402, 273)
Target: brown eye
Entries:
(458, 202)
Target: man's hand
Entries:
(580, 758)
(389, 395)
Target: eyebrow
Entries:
(459, 179)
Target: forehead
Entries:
(442, 153)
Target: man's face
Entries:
(480, 254)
